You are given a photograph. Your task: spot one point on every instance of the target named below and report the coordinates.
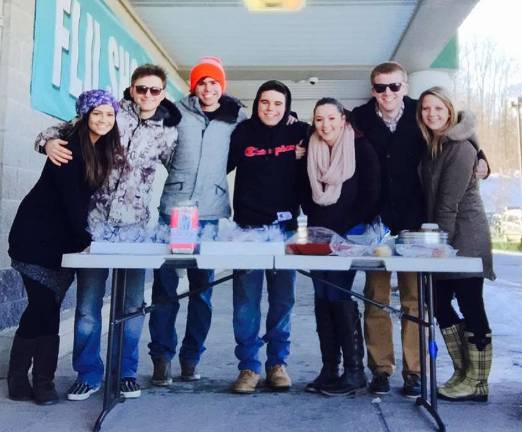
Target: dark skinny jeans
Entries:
(468, 293)
(42, 314)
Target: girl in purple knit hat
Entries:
(51, 221)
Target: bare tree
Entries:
(485, 84)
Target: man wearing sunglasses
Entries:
(198, 172)
(120, 212)
(388, 122)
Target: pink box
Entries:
(184, 225)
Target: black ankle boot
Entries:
(44, 368)
(330, 350)
(348, 325)
(348, 383)
(329, 374)
(20, 361)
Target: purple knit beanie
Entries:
(92, 98)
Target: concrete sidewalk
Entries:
(208, 405)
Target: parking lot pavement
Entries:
(208, 405)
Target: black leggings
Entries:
(42, 314)
(468, 293)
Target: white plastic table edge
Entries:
(126, 261)
(290, 262)
(395, 263)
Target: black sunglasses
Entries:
(381, 88)
(142, 90)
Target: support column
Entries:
(423, 80)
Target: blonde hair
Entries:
(434, 141)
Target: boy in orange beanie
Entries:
(208, 67)
(198, 170)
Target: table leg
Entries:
(111, 390)
(425, 287)
(422, 336)
(432, 347)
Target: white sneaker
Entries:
(129, 388)
(80, 391)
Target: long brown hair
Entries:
(434, 141)
(99, 159)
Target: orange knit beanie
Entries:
(208, 67)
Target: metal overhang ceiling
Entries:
(324, 34)
(338, 41)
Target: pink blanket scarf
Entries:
(328, 170)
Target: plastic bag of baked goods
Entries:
(426, 250)
(342, 247)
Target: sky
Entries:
(500, 19)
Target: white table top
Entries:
(290, 262)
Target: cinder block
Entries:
(11, 287)
(19, 151)
(10, 313)
(27, 7)
(9, 208)
(26, 180)
(5, 261)
(9, 182)
(21, 19)
(27, 56)
(20, 93)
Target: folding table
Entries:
(424, 267)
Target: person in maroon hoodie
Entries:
(263, 152)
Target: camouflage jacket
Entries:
(120, 208)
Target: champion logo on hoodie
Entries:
(252, 151)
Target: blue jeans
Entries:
(326, 292)
(247, 291)
(87, 324)
(163, 336)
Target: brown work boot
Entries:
(277, 378)
(246, 382)
(161, 376)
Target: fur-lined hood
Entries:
(464, 129)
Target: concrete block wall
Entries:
(20, 165)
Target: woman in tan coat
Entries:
(453, 202)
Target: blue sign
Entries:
(81, 45)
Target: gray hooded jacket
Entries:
(453, 198)
(198, 171)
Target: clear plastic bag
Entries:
(375, 241)
(312, 241)
(230, 231)
(343, 247)
(425, 251)
(376, 233)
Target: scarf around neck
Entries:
(327, 170)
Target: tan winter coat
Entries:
(453, 199)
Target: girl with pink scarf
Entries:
(341, 191)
